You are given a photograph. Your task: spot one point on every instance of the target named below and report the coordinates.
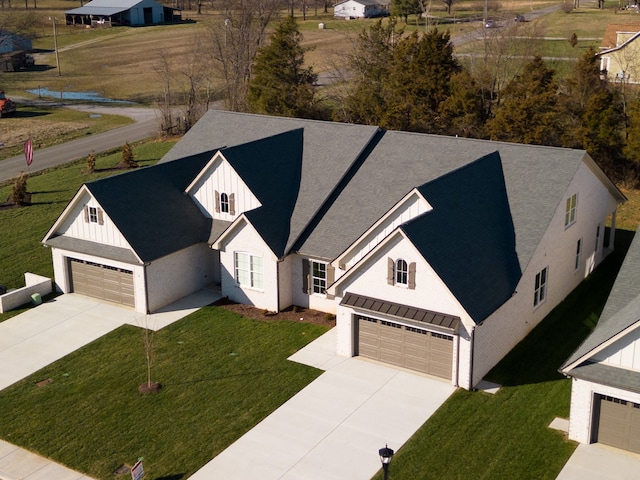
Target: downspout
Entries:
(278, 285)
(473, 330)
(146, 287)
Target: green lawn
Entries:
(221, 374)
(482, 436)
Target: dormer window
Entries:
(401, 273)
(224, 203)
(93, 215)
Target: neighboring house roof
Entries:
(10, 42)
(469, 238)
(621, 312)
(105, 7)
(610, 37)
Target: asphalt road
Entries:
(146, 126)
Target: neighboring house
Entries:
(361, 9)
(605, 369)
(436, 253)
(619, 53)
(11, 42)
(119, 12)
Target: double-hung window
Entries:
(319, 277)
(93, 215)
(540, 294)
(224, 203)
(248, 270)
(570, 210)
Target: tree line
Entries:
(414, 82)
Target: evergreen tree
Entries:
(280, 85)
(419, 82)
(370, 66)
(404, 8)
(529, 111)
(462, 112)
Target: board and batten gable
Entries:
(242, 238)
(556, 254)
(370, 278)
(623, 353)
(410, 207)
(220, 178)
(85, 219)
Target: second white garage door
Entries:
(405, 346)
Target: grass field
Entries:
(221, 374)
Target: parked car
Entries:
(490, 24)
(520, 18)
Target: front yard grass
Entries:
(506, 435)
(221, 374)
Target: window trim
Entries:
(541, 285)
(571, 210)
(322, 280)
(93, 215)
(255, 277)
(224, 203)
(401, 272)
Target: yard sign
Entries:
(137, 471)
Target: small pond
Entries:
(82, 96)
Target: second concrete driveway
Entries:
(334, 427)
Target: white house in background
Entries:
(619, 53)
(436, 253)
(605, 369)
(11, 42)
(361, 9)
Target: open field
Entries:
(122, 63)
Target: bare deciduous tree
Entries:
(233, 41)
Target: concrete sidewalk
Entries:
(345, 415)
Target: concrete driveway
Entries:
(600, 462)
(334, 427)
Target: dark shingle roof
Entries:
(329, 149)
(274, 179)
(150, 208)
(622, 309)
(469, 238)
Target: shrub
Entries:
(573, 41)
(127, 156)
(19, 191)
(91, 162)
(567, 7)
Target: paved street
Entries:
(146, 126)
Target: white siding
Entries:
(180, 274)
(349, 9)
(499, 333)
(430, 293)
(244, 238)
(74, 225)
(411, 208)
(222, 178)
(582, 399)
(624, 353)
(285, 284)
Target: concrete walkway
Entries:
(334, 427)
(48, 332)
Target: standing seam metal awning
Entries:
(413, 316)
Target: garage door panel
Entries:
(405, 346)
(618, 424)
(101, 281)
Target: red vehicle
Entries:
(7, 106)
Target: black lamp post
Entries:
(386, 454)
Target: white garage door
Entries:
(102, 281)
(618, 423)
(409, 347)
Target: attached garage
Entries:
(102, 281)
(617, 423)
(405, 346)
